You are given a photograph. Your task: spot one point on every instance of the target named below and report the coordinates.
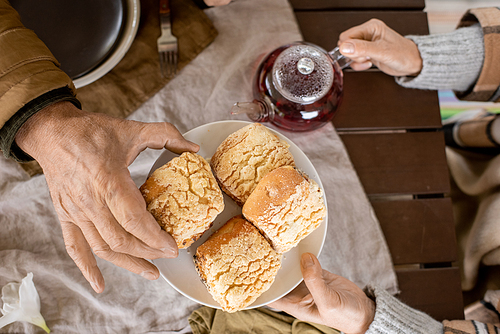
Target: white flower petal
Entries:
(10, 294)
(21, 302)
(35, 319)
(10, 318)
(7, 308)
(28, 296)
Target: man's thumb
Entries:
(165, 135)
(313, 277)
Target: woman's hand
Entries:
(373, 42)
(85, 158)
(328, 299)
(217, 2)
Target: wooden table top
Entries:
(394, 139)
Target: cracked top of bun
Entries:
(245, 157)
(237, 264)
(286, 206)
(184, 197)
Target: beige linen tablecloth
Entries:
(31, 240)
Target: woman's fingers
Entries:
(361, 50)
(361, 66)
(375, 42)
(313, 278)
(291, 303)
(366, 31)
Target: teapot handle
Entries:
(342, 60)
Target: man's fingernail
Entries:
(94, 286)
(148, 275)
(307, 261)
(170, 252)
(347, 48)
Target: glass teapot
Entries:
(297, 87)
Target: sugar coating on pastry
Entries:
(245, 157)
(286, 206)
(184, 197)
(237, 264)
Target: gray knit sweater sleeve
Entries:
(450, 61)
(394, 317)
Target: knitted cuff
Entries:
(8, 132)
(450, 61)
(394, 317)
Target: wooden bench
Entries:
(394, 140)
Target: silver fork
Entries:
(167, 43)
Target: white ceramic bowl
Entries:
(181, 273)
(130, 26)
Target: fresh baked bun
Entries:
(237, 264)
(286, 206)
(245, 156)
(184, 197)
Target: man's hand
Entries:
(328, 299)
(85, 158)
(373, 42)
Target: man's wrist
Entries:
(37, 133)
(9, 131)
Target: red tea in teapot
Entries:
(297, 87)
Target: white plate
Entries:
(181, 273)
(130, 27)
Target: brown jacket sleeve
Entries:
(487, 87)
(468, 327)
(27, 67)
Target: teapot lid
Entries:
(303, 73)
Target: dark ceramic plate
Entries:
(81, 34)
